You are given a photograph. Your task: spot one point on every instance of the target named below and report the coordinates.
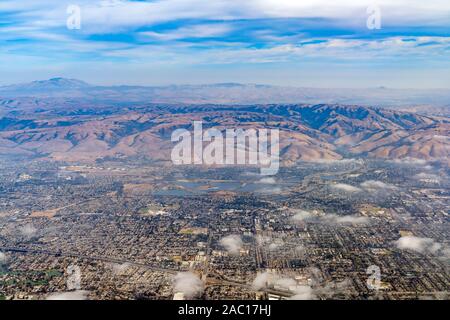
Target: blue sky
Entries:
(312, 43)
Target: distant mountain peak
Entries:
(55, 86)
(228, 84)
(60, 81)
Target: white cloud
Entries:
(346, 187)
(329, 290)
(410, 161)
(347, 50)
(303, 293)
(445, 255)
(270, 190)
(3, 258)
(393, 12)
(232, 243)
(266, 279)
(302, 215)
(275, 245)
(189, 284)
(116, 15)
(120, 269)
(315, 275)
(427, 176)
(263, 240)
(284, 282)
(375, 185)
(300, 291)
(269, 180)
(348, 219)
(197, 31)
(147, 48)
(28, 230)
(269, 243)
(422, 245)
(260, 281)
(69, 295)
(340, 161)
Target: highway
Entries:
(91, 258)
(214, 280)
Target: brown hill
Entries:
(307, 132)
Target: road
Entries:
(212, 279)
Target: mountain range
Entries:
(81, 130)
(435, 101)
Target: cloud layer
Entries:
(189, 284)
(170, 34)
(311, 291)
(303, 215)
(232, 243)
(69, 295)
(422, 245)
(3, 258)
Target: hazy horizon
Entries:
(106, 84)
